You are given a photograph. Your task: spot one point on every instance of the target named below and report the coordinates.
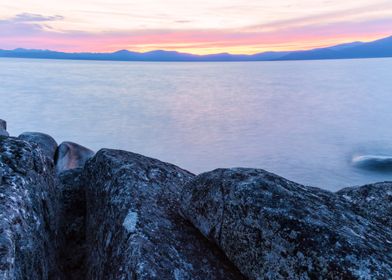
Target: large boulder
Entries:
(133, 226)
(28, 213)
(271, 228)
(44, 141)
(3, 128)
(70, 155)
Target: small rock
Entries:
(3, 128)
(3, 124)
(70, 155)
(44, 141)
(4, 133)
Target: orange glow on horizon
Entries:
(247, 50)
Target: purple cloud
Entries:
(27, 17)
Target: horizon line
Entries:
(195, 54)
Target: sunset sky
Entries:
(201, 27)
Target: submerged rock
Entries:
(44, 141)
(271, 228)
(134, 230)
(28, 213)
(70, 155)
(373, 162)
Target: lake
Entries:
(303, 120)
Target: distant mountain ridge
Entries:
(374, 49)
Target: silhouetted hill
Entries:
(378, 48)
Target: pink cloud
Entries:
(28, 33)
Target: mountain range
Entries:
(374, 49)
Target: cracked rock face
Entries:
(134, 230)
(44, 141)
(28, 208)
(271, 228)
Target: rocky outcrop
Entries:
(134, 230)
(120, 215)
(3, 128)
(70, 155)
(28, 213)
(44, 141)
(271, 228)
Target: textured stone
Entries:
(44, 141)
(271, 228)
(28, 213)
(133, 227)
(374, 200)
(70, 155)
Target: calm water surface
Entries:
(303, 120)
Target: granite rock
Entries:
(272, 228)
(70, 155)
(28, 213)
(133, 226)
(374, 200)
(44, 141)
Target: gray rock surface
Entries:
(4, 133)
(44, 141)
(271, 228)
(70, 155)
(374, 200)
(28, 213)
(133, 227)
(3, 124)
(3, 128)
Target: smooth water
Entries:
(303, 120)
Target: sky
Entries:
(200, 27)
